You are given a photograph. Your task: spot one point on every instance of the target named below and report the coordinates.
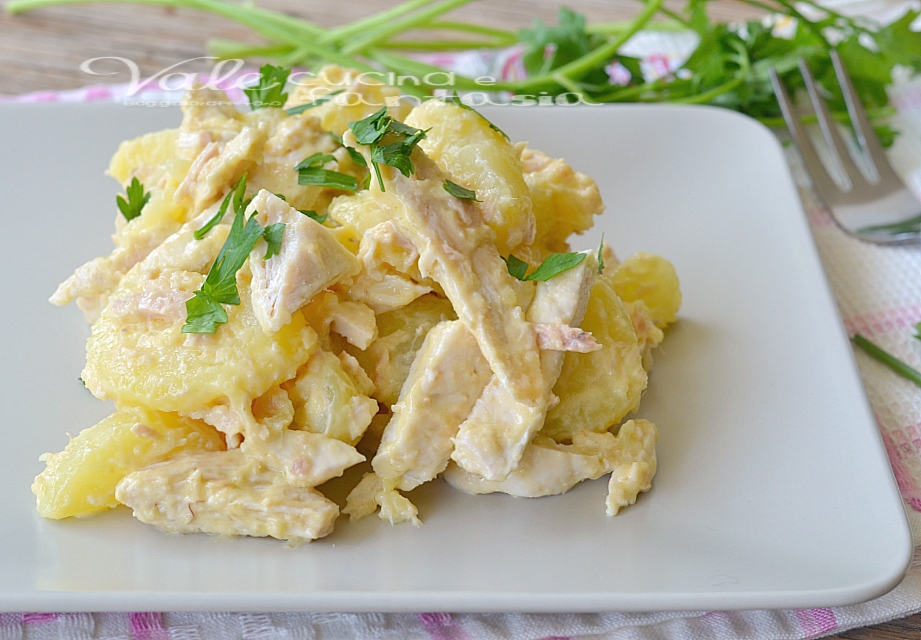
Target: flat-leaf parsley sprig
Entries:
(310, 171)
(390, 142)
(205, 311)
(137, 199)
(270, 91)
(553, 265)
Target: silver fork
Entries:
(880, 209)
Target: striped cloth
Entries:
(879, 295)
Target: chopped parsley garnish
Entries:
(600, 257)
(460, 192)
(137, 198)
(301, 108)
(356, 157)
(236, 195)
(391, 142)
(270, 91)
(455, 99)
(313, 215)
(554, 265)
(272, 235)
(310, 171)
(516, 266)
(204, 312)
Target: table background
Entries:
(42, 50)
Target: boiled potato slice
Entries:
(596, 390)
(652, 279)
(81, 480)
(564, 202)
(478, 157)
(360, 96)
(138, 355)
(402, 332)
(327, 400)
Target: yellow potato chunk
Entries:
(143, 155)
(328, 401)
(652, 279)
(563, 200)
(597, 389)
(81, 480)
(355, 214)
(478, 157)
(138, 355)
(402, 332)
(361, 94)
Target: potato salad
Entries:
(341, 276)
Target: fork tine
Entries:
(830, 129)
(823, 183)
(862, 127)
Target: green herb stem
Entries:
(492, 32)
(581, 66)
(613, 28)
(439, 45)
(227, 49)
(340, 34)
(394, 27)
(887, 359)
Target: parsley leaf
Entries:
(516, 266)
(272, 235)
(460, 192)
(137, 198)
(317, 159)
(554, 265)
(356, 157)
(204, 311)
(270, 90)
(301, 108)
(310, 171)
(313, 215)
(203, 315)
(401, 140)
(371, 129)
(600, 257)
(326, 178)
(236, 196)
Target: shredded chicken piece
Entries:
(447, 375)
(548, 468)
(355, 322)
(362, 499)
(307, 459)
(457, 249)
(385, 244)
(310, 260)
(370, 493)
(491, 441)
(562, 337)
(218, 167)
(387, 292)
(227, 493)
(155, 303)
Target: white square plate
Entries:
(773, 488)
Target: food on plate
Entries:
(320, 282)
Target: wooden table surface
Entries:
(43, 50)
